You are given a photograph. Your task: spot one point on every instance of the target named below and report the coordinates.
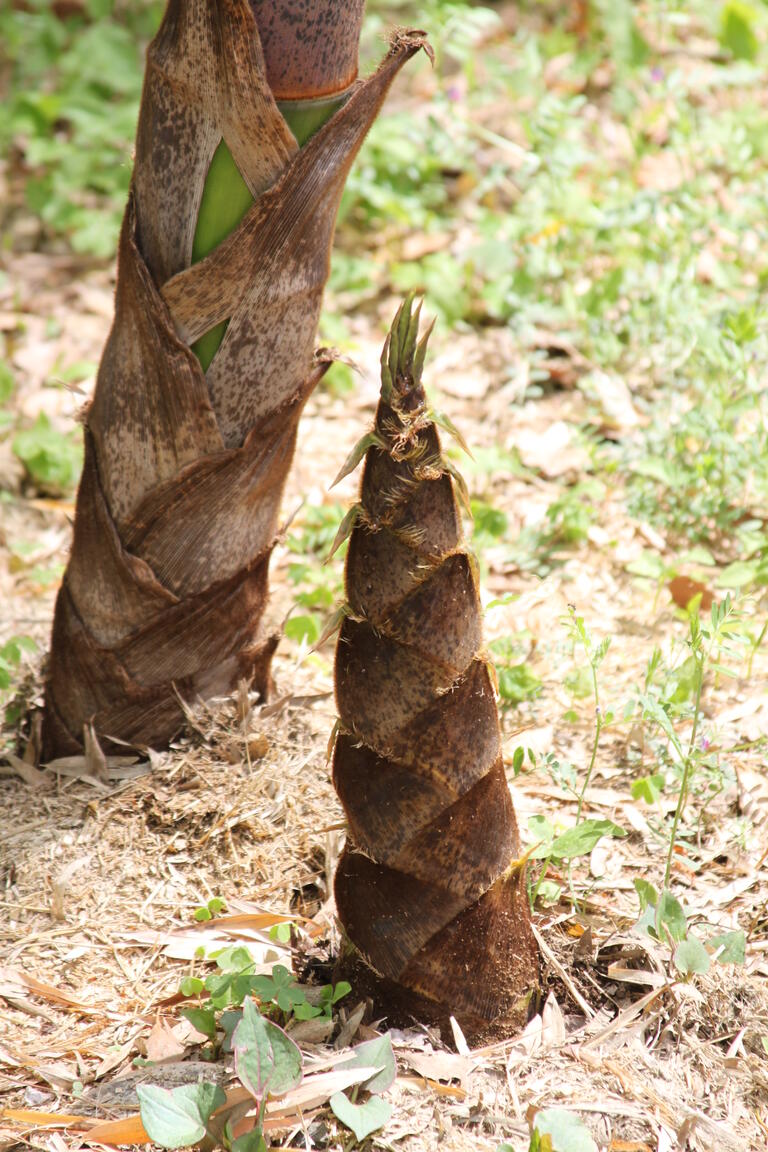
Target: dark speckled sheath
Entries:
(424, 888)
(178, 508)
(310, 46)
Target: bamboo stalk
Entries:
(178, 507)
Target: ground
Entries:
(586, 219)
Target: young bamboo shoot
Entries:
(428, 889)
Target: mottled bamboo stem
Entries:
(178, 508)
(310, 80)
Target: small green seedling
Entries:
(210, 910)
(373, 1113)
(222, 993)
(515, 678)
(52, 459)
(11, 654)
(556, 1130)
(267, 1063)
(663, 918)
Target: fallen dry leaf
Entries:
(753, 795)
(552, 452)
(315, 1090)
(255, 920)
(350, 1026)
(59, 1075)
(552, 1023)
(661, 171)
(683, 589)
(19, 981)
(162, 1044)
(750, 716)
(614, 398)
(26, 772)
(434, 1065)
(317, 1031)
(184, 945)
(421, 1082)
(33, 1119)
(129, 1130)
(527, 1043)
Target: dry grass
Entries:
(97, 878)
(94, 875)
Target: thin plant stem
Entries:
(588, 777)
(595, 743)
(687, 769)
(539, 878)
(755, 648)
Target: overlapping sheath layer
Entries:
(178, 506)
(425, 888)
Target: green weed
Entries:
(701, 470)
(11, 655)
(11, 664)
(318, 581)
(595, 654)
(53, 459)
(677, 694)
(7, 388)
(70, 119)
(515, 678)
(244, 1012)
(220, 995)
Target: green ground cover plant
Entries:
(74, 85)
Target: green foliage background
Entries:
(616, 196)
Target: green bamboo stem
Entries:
(226, 197)
(305, 117)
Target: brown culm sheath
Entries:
(179, 504)
(427, 891)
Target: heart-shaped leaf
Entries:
(252, 1141)
(648, 788)
(362, 1119)
(732, 947)
(191, 986)
(176, 1119)
(649, 897)
(266, 1060)
(566, 1132)
(209, 1098)
(670, 915)
(691, 956)
(202, 1020)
